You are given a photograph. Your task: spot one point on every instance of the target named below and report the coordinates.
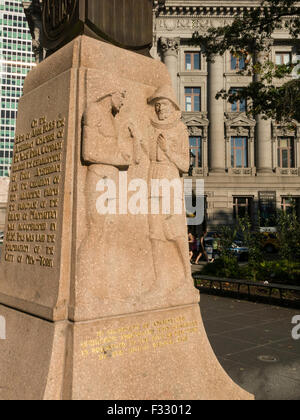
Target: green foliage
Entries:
(280, 271)
(226, 266)
(250, 34)
(288, 228)
(284, 269)
(280, 103)
(253, 241)
(227, 236)
(228, 263)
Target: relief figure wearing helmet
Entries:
(169, 160)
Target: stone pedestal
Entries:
(89, 314)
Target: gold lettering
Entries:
(39, 183)
(33, 202)
(9, 258)
(34, 124)
(54, 203)
(14, 217)
(50, 192)
(30, 260)
(51, 239)
(49, 250)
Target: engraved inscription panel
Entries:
(137, 338)
(35, 194)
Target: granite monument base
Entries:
(100, 305)
(159, 355)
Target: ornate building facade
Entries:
(249, 166)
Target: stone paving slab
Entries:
(254, 345)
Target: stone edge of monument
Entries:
(77, 54)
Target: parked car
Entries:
(212, 234)
(237, 248)
(240, 250)
(1, 238)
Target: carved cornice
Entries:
(192, 8)
(197, 124)
(238, 119)
(239, 125)
(286, 130)
(195, 119)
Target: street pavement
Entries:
(254, 344)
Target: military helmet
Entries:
(164, 92)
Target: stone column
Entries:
(252, 150)
(297, 148)
(169, 48)
(205, 151)
(228, 151)
(263, 146)
(263, 131)
(216, 139)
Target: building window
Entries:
(286, 152)
(239, 152)
(196, 152)
(192, 61)
(242, 207)
(18, 60)
(239, 105)
(287, 204)
(267, 208)
(237, 61)
(192, 99)
(290, 205)
(282, 58)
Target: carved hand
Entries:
(162, 143)
(134, 132)
(131, 129)
(126, 157)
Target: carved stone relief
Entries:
(169, 159)
(191, 23)
(195, 131)
(158, 150)
(169, 46)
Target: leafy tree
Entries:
(288, 228)
(228, 262)
(250, 35)
(253, 241)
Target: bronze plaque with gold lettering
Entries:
(125, 23)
